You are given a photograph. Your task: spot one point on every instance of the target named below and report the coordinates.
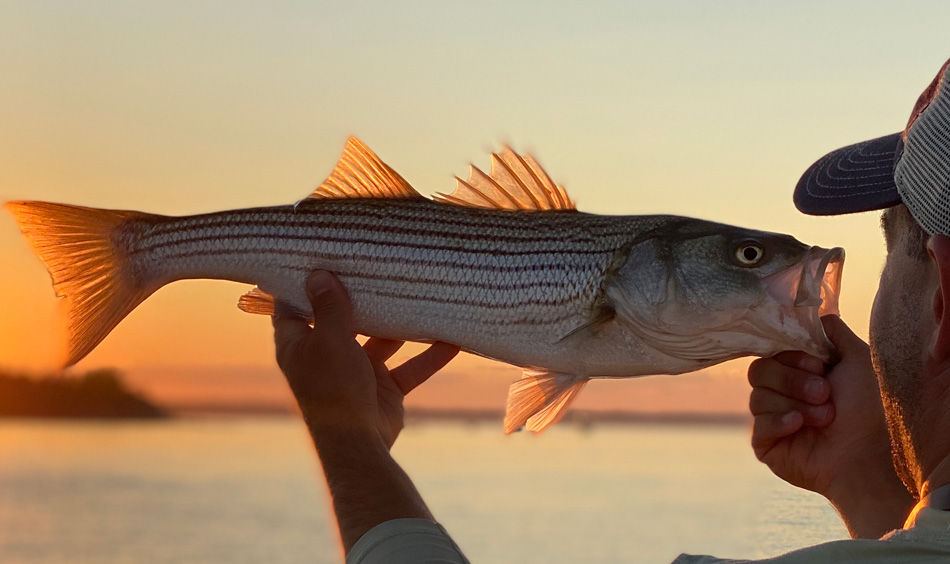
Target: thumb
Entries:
(841, 336)
(331, 305)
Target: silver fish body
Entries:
(568, 295)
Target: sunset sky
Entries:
(711, 110)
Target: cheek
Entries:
(885, 310)
(877, 322)
(879, 310)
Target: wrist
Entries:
(366, 484)
(332, 434)
(328, 421)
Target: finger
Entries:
(419, 368)
(842, 337)
(769, 429)
(792, 382)
(289, 332)
(332, 314)
(802, 361)
(763, 401)
(380, 350)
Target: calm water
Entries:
(248, 491)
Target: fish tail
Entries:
(85, 254)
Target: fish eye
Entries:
(749, 253)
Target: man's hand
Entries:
(339, 384)
(822, 428)
(353, 407)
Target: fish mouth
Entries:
(806, 292)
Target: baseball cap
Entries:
(910, 167)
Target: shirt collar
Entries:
(931, 510)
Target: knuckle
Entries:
(789, 382)
(758, 371)
(759, 401)
(754, 400)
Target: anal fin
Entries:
(540, 399)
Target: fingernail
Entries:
(789, 418)
(318, 282)
(815, 388)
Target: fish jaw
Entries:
(785, 316)
(799, 296)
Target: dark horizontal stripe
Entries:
(393, 212)
(472, 303)
(380, 259)
(429, 227)
(427, 245)
(556, 266)
(516, 286)
(271, 229)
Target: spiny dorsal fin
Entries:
(516, 182)
(361, 174)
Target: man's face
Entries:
(899, 329)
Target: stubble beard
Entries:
(896, 357)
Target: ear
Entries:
(939, 249)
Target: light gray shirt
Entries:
(925, 539)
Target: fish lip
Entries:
(807, 291)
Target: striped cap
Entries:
(912, 167)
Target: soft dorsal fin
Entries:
(361, 174)
(516, 182)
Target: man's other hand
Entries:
(822, 428)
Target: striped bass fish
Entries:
(504, 267)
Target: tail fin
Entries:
(76, 244)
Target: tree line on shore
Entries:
(96, 394)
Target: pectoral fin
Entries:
(602, 316)
(540, 399)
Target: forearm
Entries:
(871, 503)
(367, 486)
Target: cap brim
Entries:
(856, 178)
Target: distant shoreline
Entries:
(102, 394)
(99, 394)
(579, 417)
(583, 417)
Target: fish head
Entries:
(707, 292)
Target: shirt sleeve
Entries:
(896, 550)
(406, 541)
(704, 559)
